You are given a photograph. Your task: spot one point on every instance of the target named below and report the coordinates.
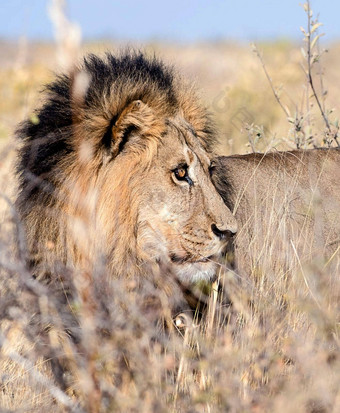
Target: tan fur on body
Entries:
(287, 205)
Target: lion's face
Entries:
(179, 217)
(182, 210)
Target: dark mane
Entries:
(47, 136)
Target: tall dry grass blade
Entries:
(67, 34)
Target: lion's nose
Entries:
(223, 233)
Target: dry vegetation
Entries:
(275, 349)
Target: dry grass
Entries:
(230, 77)
(275, 349)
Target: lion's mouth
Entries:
(186, 259)
(191, 269)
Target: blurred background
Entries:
(210, 42)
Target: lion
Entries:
(115, 168)
(286, 205)
(115, 195)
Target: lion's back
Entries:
(286, 203)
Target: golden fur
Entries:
(286, 205)
(98, 173)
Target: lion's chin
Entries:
(190, 272)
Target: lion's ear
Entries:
(137, 118)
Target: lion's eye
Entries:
(181, 174)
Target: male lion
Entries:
(287, 205)
(115, 168)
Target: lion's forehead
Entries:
(188, 142)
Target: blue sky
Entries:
(180, 20)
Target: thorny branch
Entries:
(310, 62)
